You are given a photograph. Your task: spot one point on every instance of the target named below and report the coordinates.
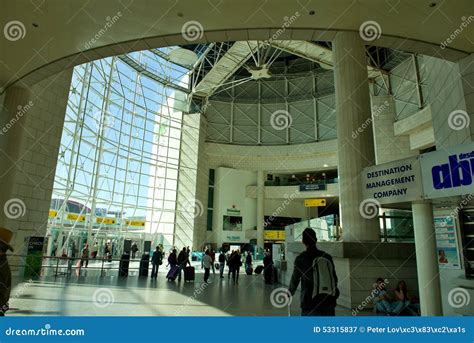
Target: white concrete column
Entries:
(31, 125)
(12, 123)
(427, 259)
(260, 207)
(354, 153)
(387, 146)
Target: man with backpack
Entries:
(315, 269)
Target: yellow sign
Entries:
(135, 222)
(107, 221)
(53, 213)
(74, 216)
(274, 235)
(314, 202)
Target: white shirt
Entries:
(207, 261)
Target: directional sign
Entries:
(314, 202)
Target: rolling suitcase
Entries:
(173, 273)
(189, 274)
(249, 271)
(259, 269)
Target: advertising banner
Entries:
(393, 182)
(34, 258)
(448, 172)
(447, 242)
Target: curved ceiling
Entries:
(57, 34)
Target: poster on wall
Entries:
(34, 255)
(232, 223)
(447, 242)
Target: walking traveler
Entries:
(156, 261)
(5, 273)
(315, 270)
(85, 255)
(221, 264)
(207, 262)
(183, 261)
(268, 268)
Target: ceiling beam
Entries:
(316, 53)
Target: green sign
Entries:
(34, 257)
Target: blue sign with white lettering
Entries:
(448, 172)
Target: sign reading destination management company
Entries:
(448, 172)
(393, 182)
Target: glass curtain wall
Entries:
(118, 164)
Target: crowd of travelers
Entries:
(314, 269)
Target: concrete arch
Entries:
(58, 34)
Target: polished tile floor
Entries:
(86, 293)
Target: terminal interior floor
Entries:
(93, 295)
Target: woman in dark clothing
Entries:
(248, 261)
(5, 273)
(172, 261)
(229, 264)
(268, 268)
(156, 261)
(234, 264)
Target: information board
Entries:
(447, 242)
(394, 182)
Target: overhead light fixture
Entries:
(325, 165)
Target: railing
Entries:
(67, 265)
(297, 183)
